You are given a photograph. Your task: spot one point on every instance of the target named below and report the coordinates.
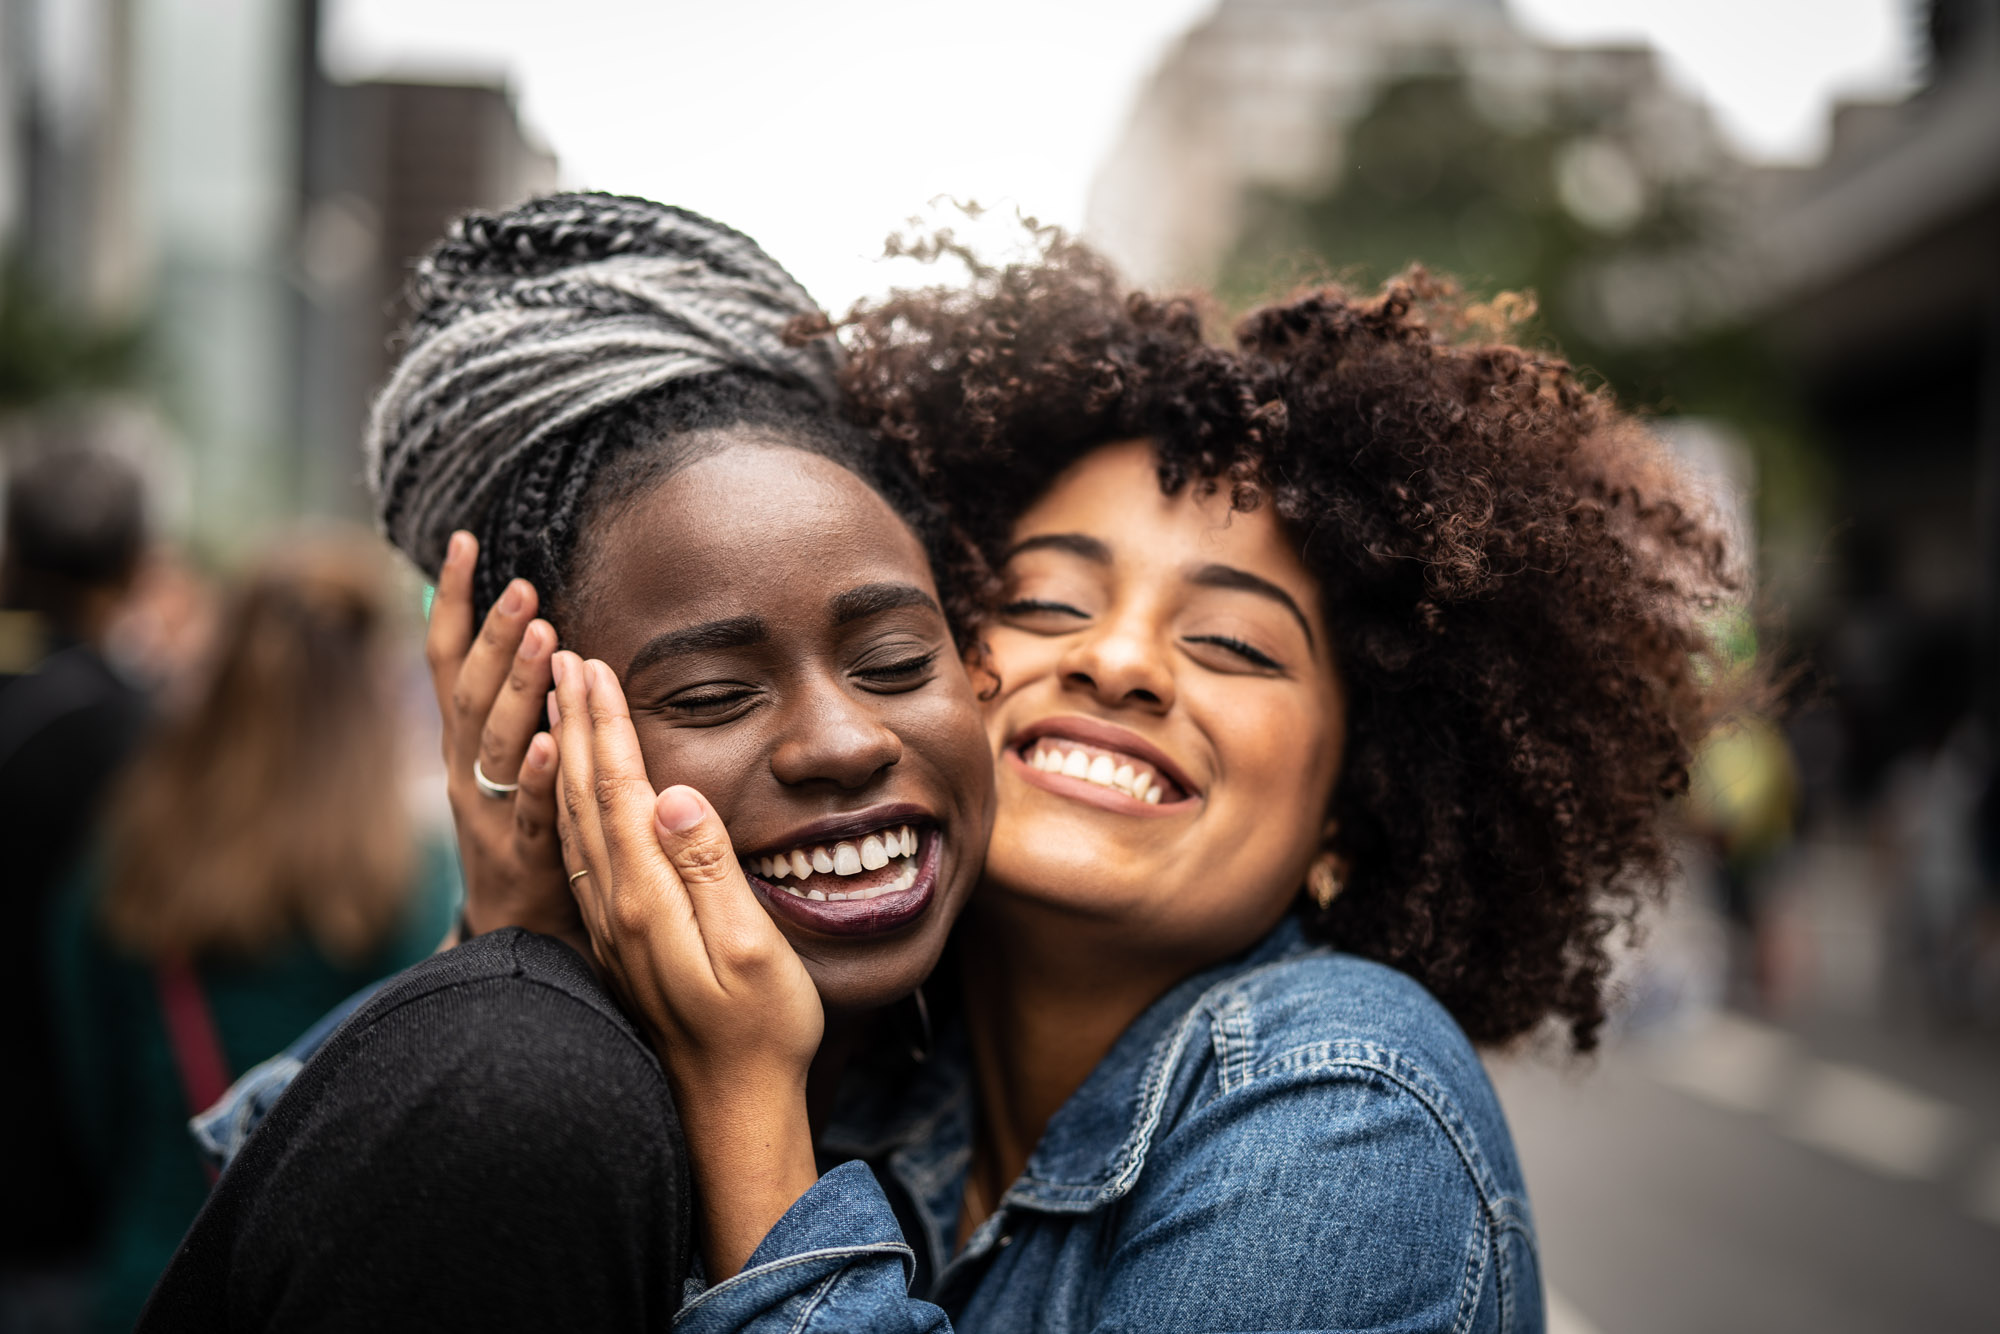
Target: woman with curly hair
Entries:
(1339, 683)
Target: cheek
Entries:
(720, 763)
(943, 726)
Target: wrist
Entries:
(750, 1145)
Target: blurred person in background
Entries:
(75, 532)
(259, 865)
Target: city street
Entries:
(1736, 1176)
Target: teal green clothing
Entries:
(125, 1090)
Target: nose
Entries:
(1121, 663)
(832, 736)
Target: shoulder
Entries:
(1318, 1002)
(486, 1130)
(510, 1010)
(1351, 1034)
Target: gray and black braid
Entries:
(554, 338)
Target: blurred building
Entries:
(1260, 97)
(185, 165)
(1875, 277)
(387, 166)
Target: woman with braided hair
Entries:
(605, 412)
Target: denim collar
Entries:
(1094, 1147)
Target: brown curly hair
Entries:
(1514, 575)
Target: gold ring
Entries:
(578, 876)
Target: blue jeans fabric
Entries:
(1296, 1140)
(222, 1129)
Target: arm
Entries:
(1322, 1197)
(720, 992)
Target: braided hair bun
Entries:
(551, 337)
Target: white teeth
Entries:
(872, 853)
(1102, 770)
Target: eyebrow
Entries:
(709, 636)
(1076, 544)
(1228, 576)
(873, 599)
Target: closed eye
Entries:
(706, 703)
(1242, 650)
(908, 671)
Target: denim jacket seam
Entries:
(1475, 1275)
(1511, 1218)
(1234, 1031)
(1353, 1053)
(896, 1248)
(812, 1304)
(1160, 1070)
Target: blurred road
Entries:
(1730, 1175)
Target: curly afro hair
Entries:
(1514, 573)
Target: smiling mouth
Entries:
(884, 862)
(1101, 766)
(862, 885)
(1104, 771)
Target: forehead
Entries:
(1113, 493)
(750, 528)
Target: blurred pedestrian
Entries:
(259, 864)
(75, 531)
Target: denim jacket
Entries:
(1296, 1140)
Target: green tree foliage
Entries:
(47, 354)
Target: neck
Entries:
(1044, 1002)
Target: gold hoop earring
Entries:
(1324, 881)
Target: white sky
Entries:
(818, 126)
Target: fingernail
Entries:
(559, 668)
(514, 598)
(555, 712)
(454, 550)
(680, 809)
(531, 643)
(538, 750)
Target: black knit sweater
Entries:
(487, 1144)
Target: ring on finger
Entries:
(578, 876)
(488, 788)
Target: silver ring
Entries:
(488, 788)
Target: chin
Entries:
(858, 986)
